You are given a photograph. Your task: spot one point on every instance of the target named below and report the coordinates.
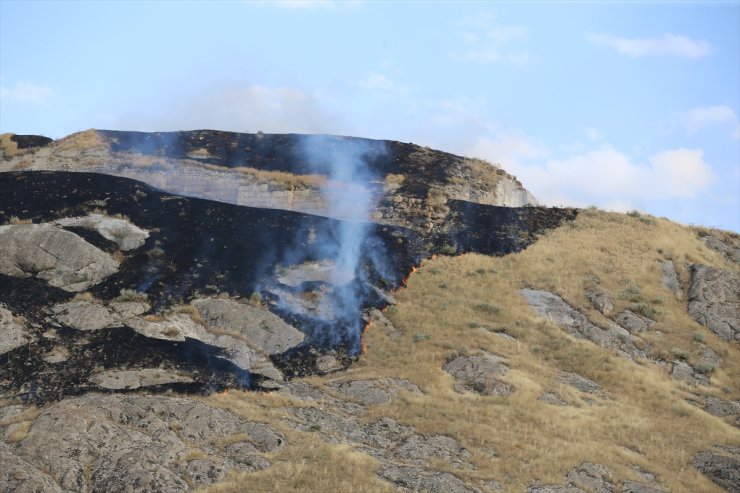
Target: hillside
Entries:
(175, 338)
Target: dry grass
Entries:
(17, 220)
(192, 312)
(7, 146)
(80, 141)
(458, 303)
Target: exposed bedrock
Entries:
(714, 300)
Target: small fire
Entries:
(224, 393)
(362, 337)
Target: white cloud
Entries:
(603, 176)
(490, 43)
(379, 83)
(26, 92)
(668, 44)
(247, 108)
(592, 133)
(711, 116)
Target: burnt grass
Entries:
(201, 248)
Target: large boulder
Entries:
(714, 300)
(59, 257)
(480, 373)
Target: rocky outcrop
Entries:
(122, 232)
(599, 297)
(721, 465)
(683, 371)
(724, 242)
(12, 334)
(669, 277)
(633, 322)
(480, 373)
(579, 382)
(714, 300)
(419, 479)
(552, 307)
(133, 443)
(260, 328)
(134, 379)
(59, 257)
(373, 392)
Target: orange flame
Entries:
(362, 337)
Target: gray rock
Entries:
(59, 257)
(12, 334)
(137, 443)
(633, 322)
(420, 449)
(714, 300)
(669, 277)
(134, 379)
(599, 298)
(721, 465)
(373, 392)
(551, 488)
(725, 243)
(420, 479)
(552, 307)
(386, 433)
(334, 427)
(579, 382)
(125, 234)
(84, 315)
(590, 477)
(683, 371)
(552, 398)
(718, 407)
(708, 357)
(327, 363)
(635, 487)
(19, 476)
(260, 328)
(307, 393)
(479, 373)
(379, 320)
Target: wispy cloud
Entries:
(491, 43)
(379, 83)
(26, 92)
(668, 44)
(703, 117)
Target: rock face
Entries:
(553, 307)
(480, 374)
(633, 322)
(723, 242)
(714, 300)
(59, 257)
(721, 465)
(599, 297)
(133, 443)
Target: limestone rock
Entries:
(600, 298)
(420, 479)
(590, 477)
(579, 382)
(721, 465)
(18, 475)
(83, 315)
(727, 244)
(669, 277)
(59, 257)
(12, 334)
(123, 233)
(552, 398)
(134, 379)
(480, 373)
(136, 443)
(372, 392)
(714, 300)
(683, 371)
(553, 307)
(260, 328)
(635, 487)
(633, 322)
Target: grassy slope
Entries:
(645, 421)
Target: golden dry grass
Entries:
(643, 420)
(80, 141)
(7, 146)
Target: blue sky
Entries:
(619, 105)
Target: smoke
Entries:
(339, 254)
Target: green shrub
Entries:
(704, 368)
(644, 309)
(631, 293)
(132, 295)
(698, 337)
(487, 308)
(420, 336)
